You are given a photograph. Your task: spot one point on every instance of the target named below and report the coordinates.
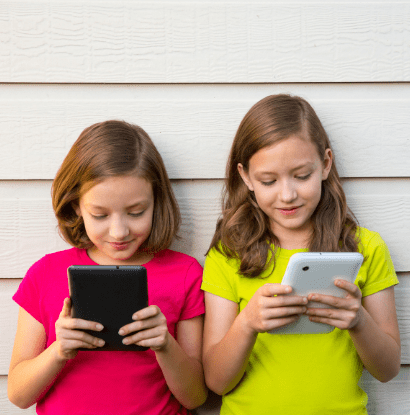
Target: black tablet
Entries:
(110, 295)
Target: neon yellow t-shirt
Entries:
(299, 373)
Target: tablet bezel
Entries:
(110, 295)
(324, 269)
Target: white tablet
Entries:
(315, 272)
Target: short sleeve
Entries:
(219, 276)
(194, 296)
(380, 268)
(27, 295)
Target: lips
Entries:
(289, 211)
(120, 246)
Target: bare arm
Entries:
(180, 361)
(226, 330)
(32, 369)
(372, 325)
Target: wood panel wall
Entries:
(187, 72)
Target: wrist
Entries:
(360, 323)
(165, 347)
(245, 325)
(58, 357)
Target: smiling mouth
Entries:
(120, 246)
(289, 211)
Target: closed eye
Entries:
(136, 215)
(98, 217)
(304, 177)
(269, 183)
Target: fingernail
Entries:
(313, 297)
(305, 300)
(121, 332)
(101, 342)
(125, 341)
(99, 326)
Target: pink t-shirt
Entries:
(107, 382)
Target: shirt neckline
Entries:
(82, 253)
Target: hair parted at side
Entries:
(243, 231)
(109, 149)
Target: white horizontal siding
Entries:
(170, 41)
(193, 129)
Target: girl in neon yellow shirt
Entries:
(283, 195)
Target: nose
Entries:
(119, 229)
(288, 192)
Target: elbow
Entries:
(388, 377)
(198, 399)
(19, 401)
(215, 386)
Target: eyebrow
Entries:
(142, 202)
(308, 164)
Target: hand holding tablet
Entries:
(316, 272)
(109, 295)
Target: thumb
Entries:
(66, 310)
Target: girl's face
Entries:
(117, 215)
(286, 179)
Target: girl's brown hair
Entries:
(108, 149)
(243, 230)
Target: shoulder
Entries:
(56, 261)
(217, 257)
(369, 241)
(377, 271)
(70, 253)
(170, 257)
(177, 264)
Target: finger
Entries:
(280, 322)
(143, 324)
(340, 324)
(77, 344)
(154, 343)
(66, 310)
(349, 287)
(347, 303)
(332, 313)
(284, 301)
(279, 312)
(275, 289)
(146, 312)
(80, 324)
(80, 336)
(145, 335)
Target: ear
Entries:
(245, 177)
(327, 163)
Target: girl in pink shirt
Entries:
(114, 203)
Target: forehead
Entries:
(123, 189)
(289, 153)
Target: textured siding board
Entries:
(370, 137)
(163, 42)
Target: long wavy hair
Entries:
(243, 230)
